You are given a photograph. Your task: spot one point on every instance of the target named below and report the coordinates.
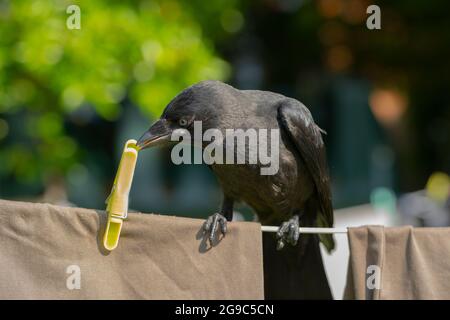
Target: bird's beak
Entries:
(158, 134)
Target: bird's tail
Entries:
(326, 239)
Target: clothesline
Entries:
(307, 230)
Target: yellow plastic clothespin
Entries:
(117, 202)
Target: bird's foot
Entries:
(288, 232)
(212, 224)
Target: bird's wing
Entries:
(296, 121)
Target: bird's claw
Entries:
(212, 224)
(288, 232)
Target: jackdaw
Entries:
(298, 194)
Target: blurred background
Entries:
(69, 99)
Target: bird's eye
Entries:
(183, 122)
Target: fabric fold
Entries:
(398, 263)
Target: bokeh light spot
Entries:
(143, 71)
(72, 97)
(232, 21)
(387, 105)
(330, 8)
(438, 186)
(339, 58)
(383, 199)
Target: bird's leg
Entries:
(217, 220)
(288, 232)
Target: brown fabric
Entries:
(158, 257)
(414, 263)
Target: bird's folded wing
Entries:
(296, 121)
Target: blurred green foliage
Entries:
(68, 98)
(145, 51)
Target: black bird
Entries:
(297, 195)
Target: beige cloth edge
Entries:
(414, 263)
(158, 257)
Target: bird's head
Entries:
(189, 106)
